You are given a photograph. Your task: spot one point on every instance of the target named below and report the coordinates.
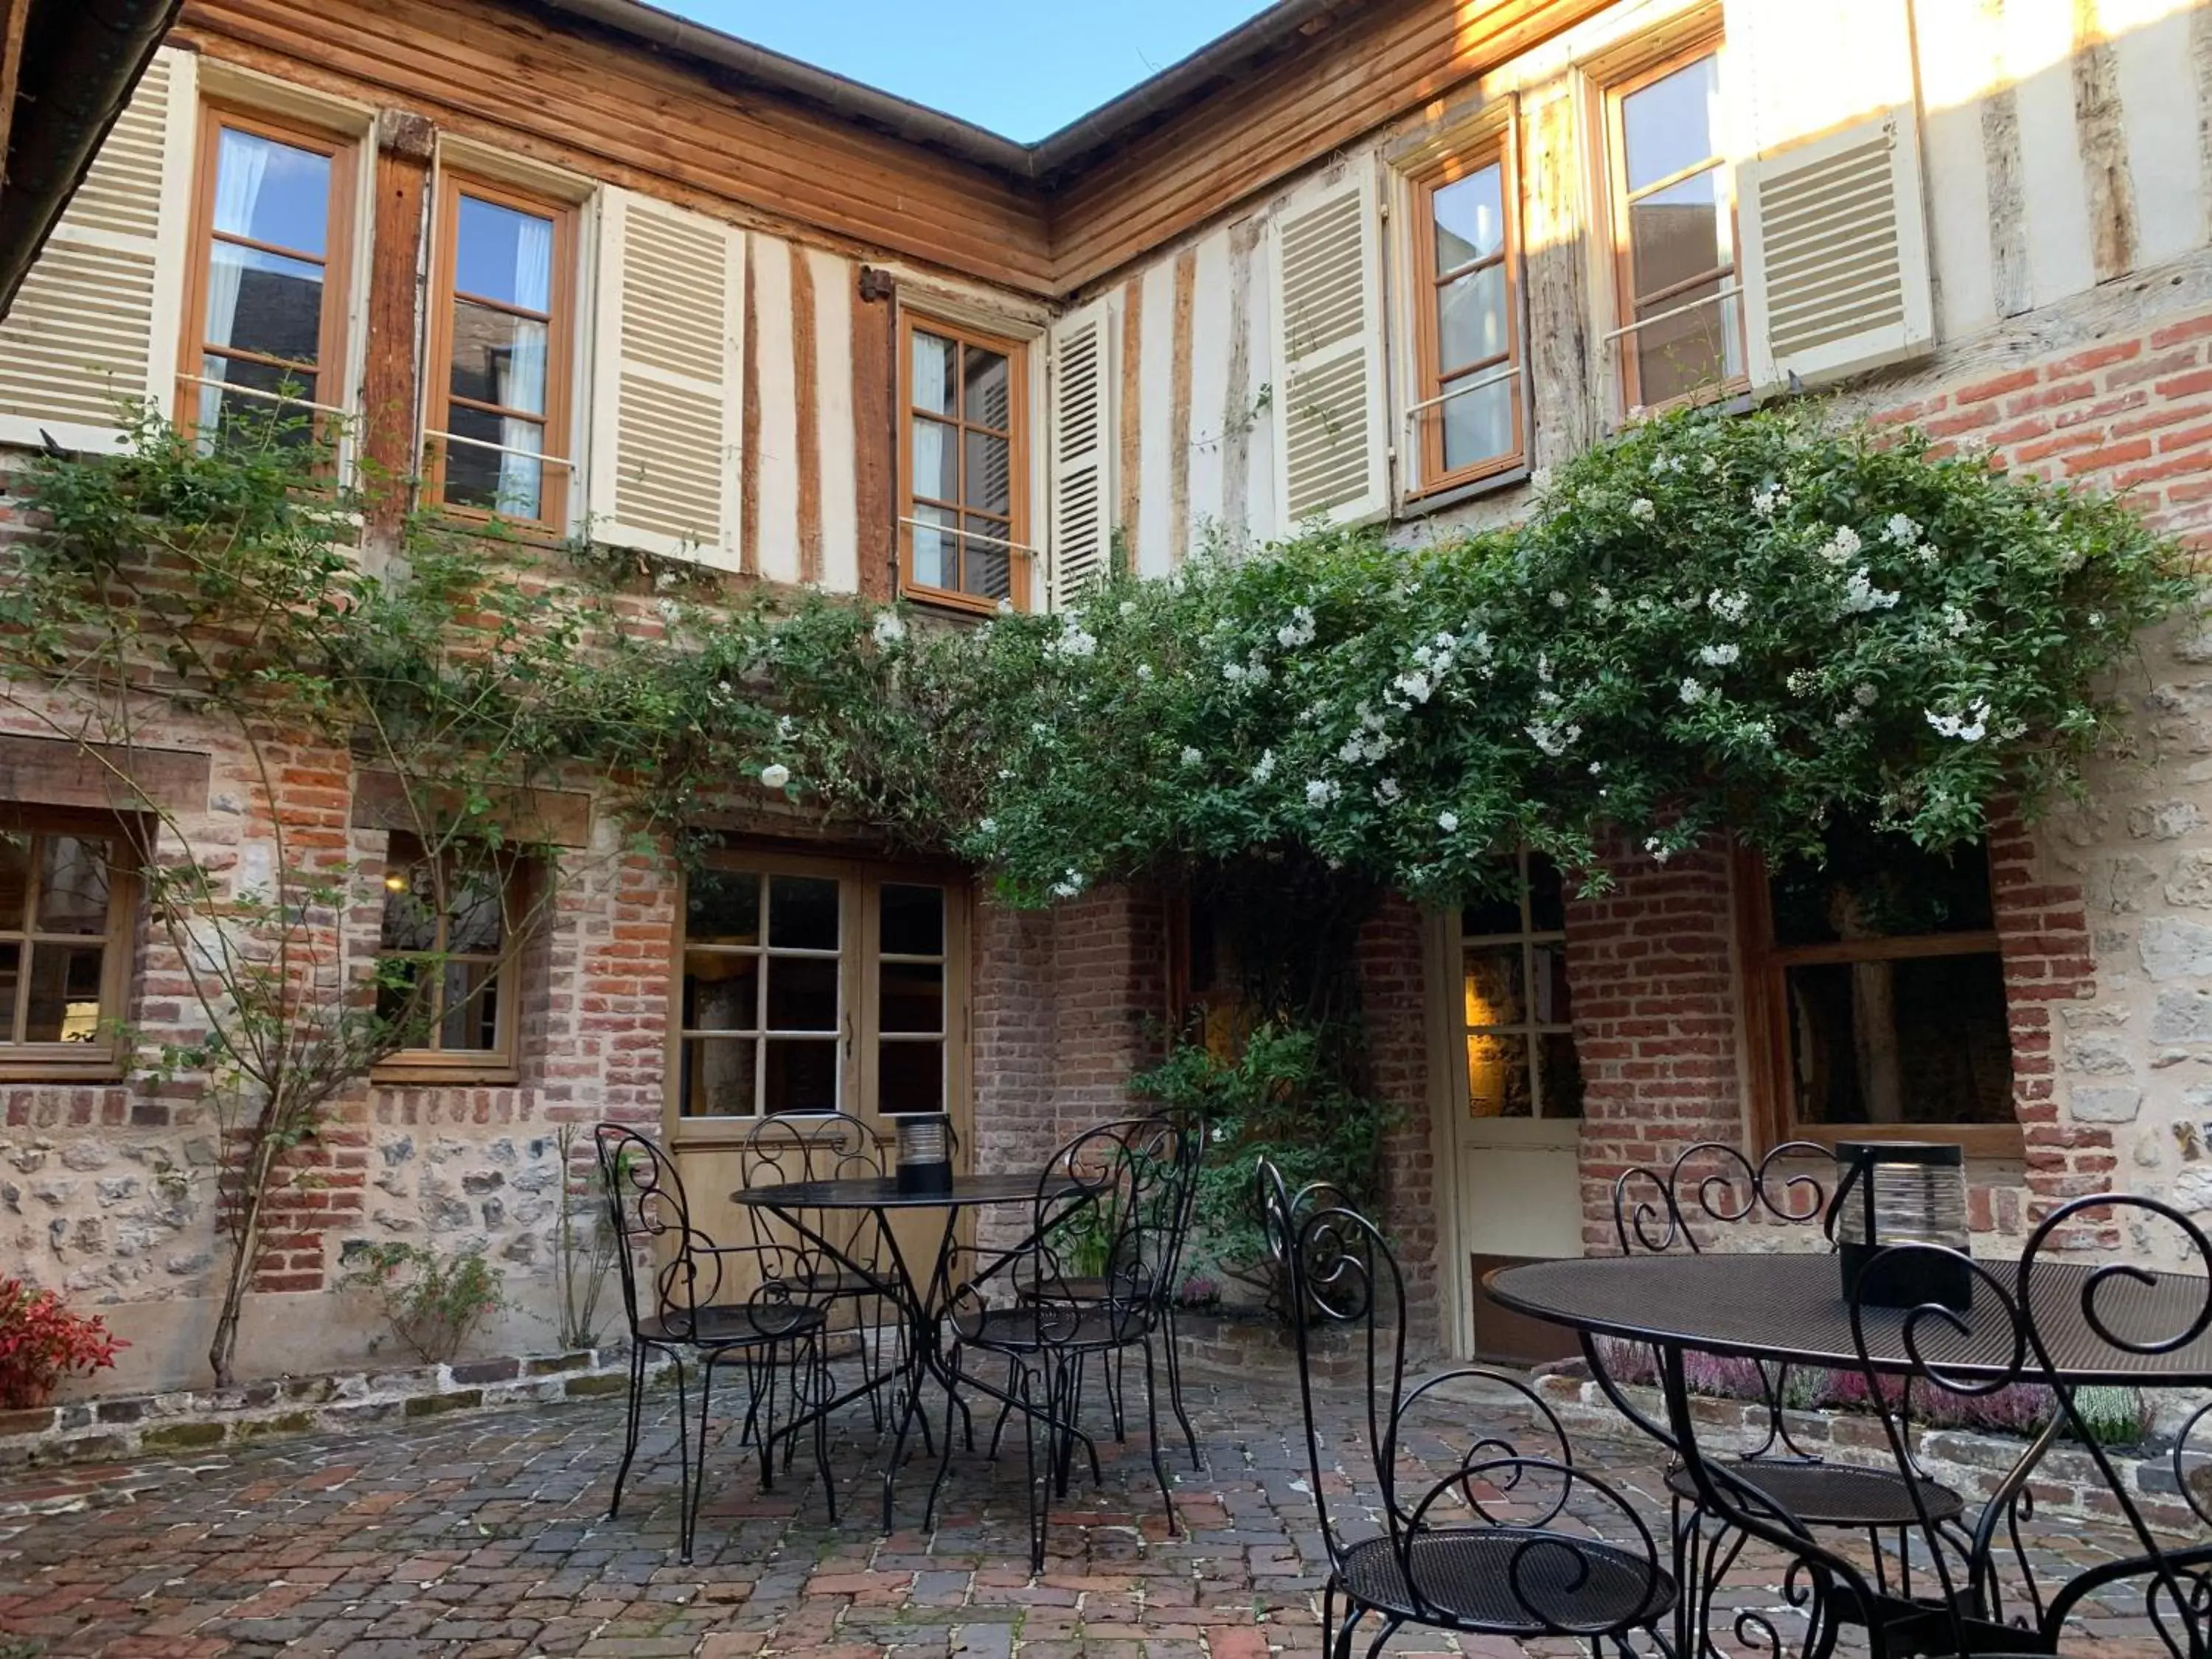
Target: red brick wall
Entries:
(1393, 1004)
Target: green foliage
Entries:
(433, 1303)
(584, 1245)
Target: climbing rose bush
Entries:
(41, 1341)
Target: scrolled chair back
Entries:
(1656, 1209)
(1109, 1215)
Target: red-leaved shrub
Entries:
(41, 1341)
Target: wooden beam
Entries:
(1131, 391)
(749, 432)
(2100, 128)
(15, 18)
(806, 370)
(389, 393)
(558, 818)
(101, 777)
(1185, 296)
(875, 434)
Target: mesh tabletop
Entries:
(1792, 1307)
(882, 1192)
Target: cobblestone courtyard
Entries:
(473, 1536)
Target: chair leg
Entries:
(1354, 1612)
(637, 1356)
(1113, 1368)
(1175, 1387)
(765, 1392)
(1152, 1435)
(1004, 1406)
(821, 1424)
(945, 1452)
(696, 1487)
(684, 1465)
(1390, 1629)
(1039, 1491)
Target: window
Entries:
(1878, 993)
(1467, 328)
(65, 919)
(816, 988)
(1521, 1059)
(266, 311)
(961, 505)
(502, 340)
(449, 951)
(1681, 323)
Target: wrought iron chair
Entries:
(1091, 1279)
(1498, 1540)
(1652, 1212)
(686, 1296)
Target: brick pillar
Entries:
(1393, 1004)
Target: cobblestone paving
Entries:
(471, 1537)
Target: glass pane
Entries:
(1691, 349)
(802, 1076)
(1881, 886)
(721, 991)
(913, 997)
(718, 1077)
(913, 920)
(934, 373)
(64, 993)
(1494, 915)
(989, 482)
(1478, 424)
(263, 302)
(499, 358)
(1547, 898)
(72, 885)
(486, 477)
(988, 564)
(936, 459)
(272, 192)
(802, 993)
(472, 1021)
(1912, 1042)
(1676, 234)
(410, 910)
(1563, 1075)
(1493, 985)
(1668, 125)
(802, 913)
(11, 967)
(248, 419)
(984, 401)
(936, 554)
(1551, 1005)
(16, 882)
(405, 998)
(910, 1077)
(1471, 322)
(478, 919)
(722, 907)
(1470, 218)
(504, 254)
(1498, 1082)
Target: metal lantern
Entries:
(925, 1152)
(1903, 1192)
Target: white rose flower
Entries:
(890, 629)
(775, 774)
(1191, 756)
(1718, 656)
(1448, 821)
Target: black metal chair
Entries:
(1091, 1279)
(1652, 1212)
(1495, 1540)
(685, 1295)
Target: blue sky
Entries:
(1021, 68)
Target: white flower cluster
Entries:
(1658, 849)
(1540, 479)
(1955, 621)
(1864, 694)
(1663, 462)
(1386, 790)
(889, 628)
(1074, 641)
(1969, 727)
(1860, 594)
(1319, 792)
(1251, 671)
(1368, 742)
(1690, 692)
(1601, 599)
(1900, 530)
(1069, 884)
(1642, 509)
(1800, 682)
(774, 775)
(1553, 739)
(1841, 546)
(1729, 607)
(1768, 500)
(1448, 821)
(1298, 631)
(1265, 767)
(1556, 600)
(987, 827)
(1718, 656)
(1128, 607)
(1191, 756)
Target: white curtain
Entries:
(241, 167)
(524, 383)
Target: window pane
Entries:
(802, 993)
(488, 478)
(1563, 1075)
(1470, 219)
(16, 882)
(1471, 323)
(1676, 234)
(936, 552)
(984, 401)
(1547, 898)
(1498, 1082)
(722, 907)
(913, 920)
(989, 479)
(1668, 125)
(936, 459)
(1881, 886)
(1550, 1002)
(934, 373)
(987, 562)
(910, 1077)
(913, 997)
(272, 192)
(248, 419)
(11, 967)
(405, 995)
(64, 993)
(1921, 1041)
(802, 1076)
(478, 925)
(1487, 916)
(72, 885)
(1493, 985)
(472, 1021)
(802, 913)
(721, 991)
(503, 254)
(263, 302)
(1478, 424)
(718, 1077)
(1691, 348)
(499, 358)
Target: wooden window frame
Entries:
(1617, 88)
(500, 1063)
(1021, 558)
(334, 343)
(1499, 145)
(1527, 937)
(858, 992)
(103, 1058)
(1766, 1023)
(558, 463)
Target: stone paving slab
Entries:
(486, 1537)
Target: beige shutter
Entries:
(1836, 275)
(1331, 446)
(95, 324)
(667, 381)
(1079, 396)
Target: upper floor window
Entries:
(1468, 412)
(1676, 267)
(65, 920)
(450, 966)
(502, 330)
(1521, 1056)
(962, 503)
(265, 334)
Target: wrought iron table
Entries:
(920, 1303)
(1791, 1309)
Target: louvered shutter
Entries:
(1332, 443)
(667, 381)
(1079, 374)
(96, 321)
